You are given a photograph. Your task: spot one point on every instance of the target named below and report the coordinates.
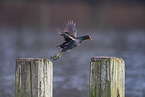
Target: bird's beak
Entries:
(90, 38)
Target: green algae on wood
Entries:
(33, 77)
(107, 77)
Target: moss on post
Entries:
(33, 78)
(107, 77)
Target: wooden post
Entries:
(107, 77)
(33, 78)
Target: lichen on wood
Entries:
(107, 77)
(33, 77)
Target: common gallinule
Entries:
(69, 33)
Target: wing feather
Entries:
(70, 29)
(64, 35)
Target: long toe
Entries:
(55, 58)
(52, 57)
(58, 53)
(58, 56)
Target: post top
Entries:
(32, 59)
(104, 57)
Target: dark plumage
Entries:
(70, 38)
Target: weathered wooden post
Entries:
(107, 77)
(33, 78)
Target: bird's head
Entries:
(82, 38)
(88, 37)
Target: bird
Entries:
(71, 40)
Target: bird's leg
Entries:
(58, 53)
(57, 57)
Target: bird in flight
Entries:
(71, 40)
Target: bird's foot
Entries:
(56, 56)
(52, 57)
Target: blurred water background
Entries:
(28, 30)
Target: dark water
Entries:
(71, 71)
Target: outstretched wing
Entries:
(64, 35)
(70, 29)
